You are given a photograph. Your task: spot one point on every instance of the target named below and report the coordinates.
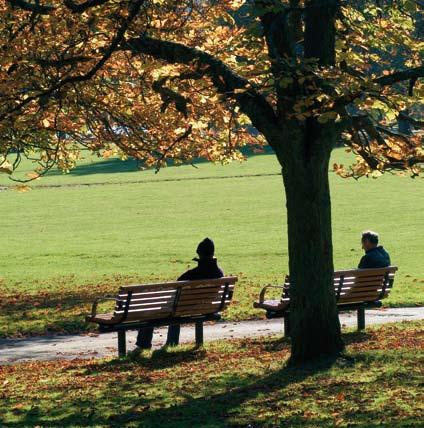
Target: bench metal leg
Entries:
(122, 345)
(361, 318)
(173, 338)
(286, 325)
(199, 333)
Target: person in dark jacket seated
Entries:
(375, 255)
(207, 265)
(207, 268)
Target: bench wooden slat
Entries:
(356, 299)
(190, 302)
(363, 277)
(196, 304)
(197, 310)
(147, 315)
(162, 308)
(190, 296)
(150, 298)
(363, 297)
(361, 286)
(139, 303)
(362, 290)
(364, 272)
(200, 291)
(177, 284)
(137, 299)
(132, 308)
(150, 295)
(193, 296)
(377, 281)
(190, 306)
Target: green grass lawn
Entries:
(242, 383)
(66, 245)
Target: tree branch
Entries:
(363, 131)
(176, 53)
(31, 7)
(45, 10)
(62, 62)
(119, 36)
(414, 122)
(81, 7)
(400, 76)
(168, 95)
(225, 80)
(411, 74)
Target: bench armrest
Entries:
(262, 294)
(103, 299)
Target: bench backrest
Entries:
(359, 285)
(363, 285)
(174, 299)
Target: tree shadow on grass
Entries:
(109, 166)
(156, 360)
(355, 337)
(227, 401)
(348, 338)
(116, 165)
(214, 408)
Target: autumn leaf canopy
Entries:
(161, 80)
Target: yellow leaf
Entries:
(107, 154)
(33, 175)
(6, 167)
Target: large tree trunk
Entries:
(314, 322)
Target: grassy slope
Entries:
(227, 384)
(70, 244)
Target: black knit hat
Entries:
(206, 248)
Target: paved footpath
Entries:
(104, 345)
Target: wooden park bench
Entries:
(356, 289)
(155, 305)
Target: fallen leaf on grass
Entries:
(340, 396)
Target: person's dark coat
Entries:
(377, 257)
(206, 269)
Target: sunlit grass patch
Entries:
(226, 384)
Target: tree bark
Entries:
(314, 323)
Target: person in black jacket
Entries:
(207, 265)
(207, 268)
(375, 256)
